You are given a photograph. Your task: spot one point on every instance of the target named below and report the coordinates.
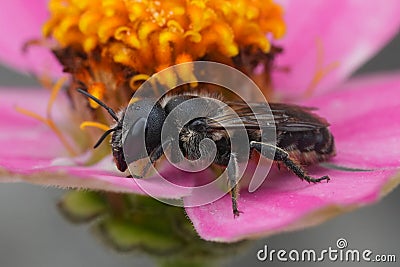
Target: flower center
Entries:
(105, 37)
(151, 35)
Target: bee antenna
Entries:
(105, 134)
(98, 101)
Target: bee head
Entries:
(141, 130)
(137, 132)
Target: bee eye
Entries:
(133, 143)
(138, 128)
(143, 123)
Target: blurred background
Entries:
(33, 233)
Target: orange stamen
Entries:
(97, 90)
(48, 120)
(321, 71)
(50, 123)
(137, 78)
(186, 73)
(54, 92)
(94, 124)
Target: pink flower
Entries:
(325, 42)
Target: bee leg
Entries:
(232, 170)
(154, 156)
(280, 155)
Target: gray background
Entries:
(34, 234)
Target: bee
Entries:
(302, 137)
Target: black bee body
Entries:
(302, 138)
(299, 132)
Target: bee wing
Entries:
(284, 117)
(236, 115)
(294, 118)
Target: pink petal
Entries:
(285, 203)
(365, 121)
(350, 33)
(21, 21)
(30, 152)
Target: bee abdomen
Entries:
(327, 144)
(308, 147)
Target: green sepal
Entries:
(138, 233)
(82, 206)
(137, 223)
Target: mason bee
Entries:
(302, 137)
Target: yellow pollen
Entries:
(158, 32)
(94, 124)
(321, 70)
(48, 119)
